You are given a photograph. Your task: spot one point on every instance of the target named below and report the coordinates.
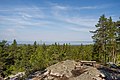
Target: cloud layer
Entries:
(51, 22)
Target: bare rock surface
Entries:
(91, 74)
(71, 70)
(63, 68)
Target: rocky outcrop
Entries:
(90, 74)
(16, 76)
(70, 70)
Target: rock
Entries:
(15, 77)
(97, 78)
(36, 78)
(90, 74)
(64, 67)
(55, 74)
(1, 78)
(50, 78)
(101, 75)
(46, 73)
(71, 70)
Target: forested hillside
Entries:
(15, 58)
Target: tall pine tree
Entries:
(99, 50)
(104, 37)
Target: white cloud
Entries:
(78, 29)
(78, 19)
(68, 7)
(89, 7)
(60, 7)
(23, 18)
(81, 21)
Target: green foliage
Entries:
(105, 38)
(16, 58)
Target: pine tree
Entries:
(99, 50)
(111, 40)
(105, 40)
(118, 38)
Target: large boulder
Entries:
(62, 68)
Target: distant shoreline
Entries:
(53, 42)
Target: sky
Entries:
(53, 20)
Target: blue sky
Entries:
(53, 20)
